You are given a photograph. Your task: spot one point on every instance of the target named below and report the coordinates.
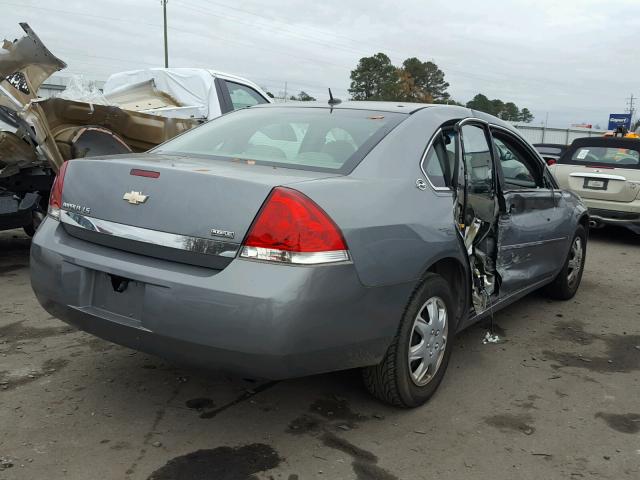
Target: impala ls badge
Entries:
(134, 198)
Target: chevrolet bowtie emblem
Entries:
(134, 198)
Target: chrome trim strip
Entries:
(597, 175)
(531, 244)
(424, 156)
(294, 258)
(201, 245)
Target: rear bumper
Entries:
(615, 213)
(256, 319)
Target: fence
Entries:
(564, 136)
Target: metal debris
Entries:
(490, 338)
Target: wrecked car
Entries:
(138, 110)
(280, 241)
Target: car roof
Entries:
(611, 142)
(552, 145)
(396, 107)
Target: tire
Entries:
(37, 219)
(394, 380)
(566, 284)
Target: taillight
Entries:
(292, 228)
(55, 198)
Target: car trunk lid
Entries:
(600, 183)
(183, 209)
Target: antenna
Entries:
(333, 101)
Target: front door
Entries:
(532, 228)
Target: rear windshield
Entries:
(609, 156)
(294, 137)
(545, 149)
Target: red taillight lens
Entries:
(292, 228)
(551, 161)
(55, 198)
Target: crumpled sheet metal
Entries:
(15, 154)
(140, 131)
(29, 56)
(26, 63)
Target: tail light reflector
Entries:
(55, 198)
(292, 228)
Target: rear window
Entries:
(609, 156)
(544, 149)
(304, 138)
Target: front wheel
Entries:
(566, 284)
(417, 359)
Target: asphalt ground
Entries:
(558, 397)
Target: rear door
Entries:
(532, 229)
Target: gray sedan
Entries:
(288, 240)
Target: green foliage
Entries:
(526, 116)
(506, 111)
(304, 97)
(376, 78)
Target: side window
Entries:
(519, 168)
(438, 163)
(243, 96)
(477, 159)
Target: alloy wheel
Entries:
(575, 261)
(428, 341)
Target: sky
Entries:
(571, 61)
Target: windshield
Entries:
(304, 138)
(608, 156)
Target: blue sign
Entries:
(619, 120)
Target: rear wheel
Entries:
(566, 284)
(417, 359)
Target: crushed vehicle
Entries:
(138, 111)
(605, 172)
(288, 240)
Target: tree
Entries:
(374, 78)
(481, 103)
(304, 97)
(270, 95)
(510, 112)
(422, 82)
(526, 116)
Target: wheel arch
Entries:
(457, 276)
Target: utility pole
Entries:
(285, 91)
(166, 46)
(631, 108)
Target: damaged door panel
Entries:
(526, 252)
(477, 210)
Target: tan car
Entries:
(605, 172)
